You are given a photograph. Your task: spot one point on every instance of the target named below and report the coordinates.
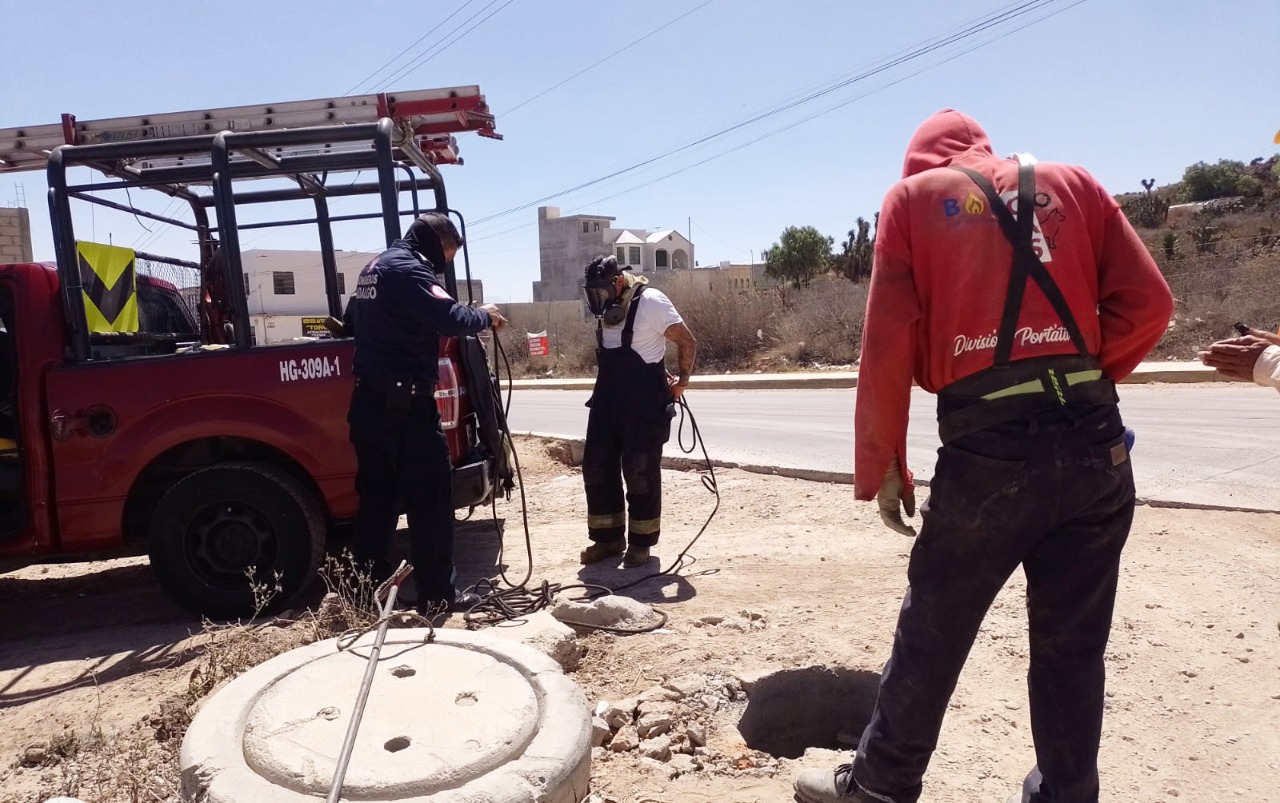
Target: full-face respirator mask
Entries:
(601, 290)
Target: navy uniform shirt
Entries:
(398, 313)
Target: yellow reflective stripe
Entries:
(1084, 376)
(1037, 385)
(1034, 386)
(1057, 388)
(602, 521)
(645, 526)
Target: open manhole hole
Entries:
(789, 712)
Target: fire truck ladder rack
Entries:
(303, 140)
(430, 116)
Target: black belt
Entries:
(1025, 388)
(417, 387)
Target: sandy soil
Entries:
(792, 578)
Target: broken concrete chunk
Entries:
(616, 714)
(659, 768)
(658, 748)
(684, 764)
(697, 733)
(600, 731)
(660, 693)
(608, 611)
(654, 723)
(625, 739)
(686, 686)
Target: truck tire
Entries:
(211, 526)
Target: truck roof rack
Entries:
(425, 120)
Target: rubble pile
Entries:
(665, 729)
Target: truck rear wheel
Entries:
(218, 525)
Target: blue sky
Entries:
(1131, 89)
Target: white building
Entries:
(567, 244)
(286, 290)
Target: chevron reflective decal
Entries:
(110, 287)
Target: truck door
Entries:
(13, 507)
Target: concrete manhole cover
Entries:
(467, 717)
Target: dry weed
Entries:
(141, 764)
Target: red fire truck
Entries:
(136, 410)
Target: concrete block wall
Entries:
(15, 235)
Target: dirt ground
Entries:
(792, 577)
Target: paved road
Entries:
(1204, 444)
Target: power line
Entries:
(441, 47)
(717, 239)
(839, 105)
(595, 64)
(914, 54)
(919, 51)
(369, 78)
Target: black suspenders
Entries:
(633, 306)
(1025, 262)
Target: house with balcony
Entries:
(567, 244)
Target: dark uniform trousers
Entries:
(403, 463)
(627, 427)
(1055, 495)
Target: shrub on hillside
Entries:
(1204, 182)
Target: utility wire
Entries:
(789, 126)
(369, 78)
(919, 51)
(441, 47)
(595, 64)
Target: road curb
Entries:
(1146, 374)
(576, 445)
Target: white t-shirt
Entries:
(648, 336)
(1266, 371)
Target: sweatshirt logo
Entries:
(1026, 336)
(973, 205)
(1045, 228)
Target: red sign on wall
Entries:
(539, 344)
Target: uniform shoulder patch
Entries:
(440, 292)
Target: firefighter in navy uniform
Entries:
(631, 410)
(397, 315)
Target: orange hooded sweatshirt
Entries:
(942, 268)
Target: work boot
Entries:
(636, 556)
(825, 786)
(599, 550)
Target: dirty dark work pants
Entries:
(403, 460)
(1057, 497)
(621, 448)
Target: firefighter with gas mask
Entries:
(631, 410)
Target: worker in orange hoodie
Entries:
(1019, 294)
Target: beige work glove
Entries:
(895, 494)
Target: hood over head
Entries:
(428, 232)
(943, 139)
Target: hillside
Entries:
(1216, 236)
